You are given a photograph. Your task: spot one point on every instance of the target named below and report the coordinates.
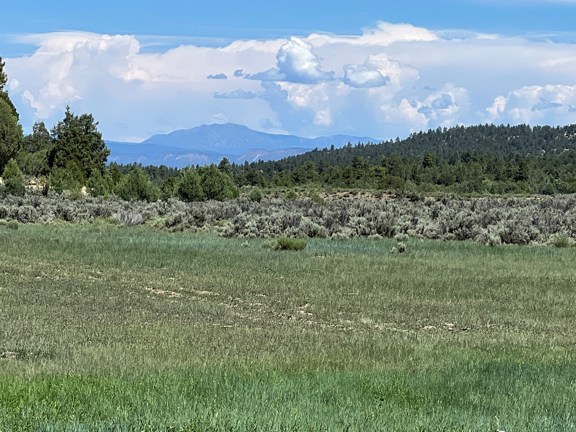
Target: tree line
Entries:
(487, 159)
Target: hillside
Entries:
(502, 142)
(484, 158)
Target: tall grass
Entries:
(109, 328)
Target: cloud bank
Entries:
(389, 81)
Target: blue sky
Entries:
(376, 68)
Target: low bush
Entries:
(12, 225)
(256, 195)
(561, 241)
(130, 218)
(490, 220)
(285, 243)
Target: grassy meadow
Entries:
(107, 328)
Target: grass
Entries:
(107, 328)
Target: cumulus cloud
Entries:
(546, 104)
(66, 64)
(377, 71)
(297, 63)
(550, 104)
(362, 76)
(445, 107)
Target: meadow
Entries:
(111, 328)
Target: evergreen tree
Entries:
(217, 185)
(225, 166)
(136, 186)
(97, 184)
(10, 134)
(69, 178)
(4, 93)
(190, 186)
(14, 183)
(77, 138)
(168, 188)
(33, 155)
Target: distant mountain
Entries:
(207, 144)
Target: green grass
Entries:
(124, 329)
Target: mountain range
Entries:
(208, 144)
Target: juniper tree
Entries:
(4, 93)
(10, 134)
(14, 183)
(33, 154)
(216, 184)
(190, 186)
(76, 138)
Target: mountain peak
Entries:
(210, 143)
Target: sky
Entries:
(382, 69)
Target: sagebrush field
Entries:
(109, 328)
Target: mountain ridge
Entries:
(207, 144)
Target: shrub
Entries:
(400, 245)
(26, 214)
(291, 195)
(401, 237)
(285, 243)
(256, 195)
(400, 248)
(561, 241)
(130, 218)
(12, 225)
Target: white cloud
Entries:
(384, 34)
(377, 71)
(66, 65)
(297, 63)
(388, 81)
(549, 104)
(362, 76)
(444, 107)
